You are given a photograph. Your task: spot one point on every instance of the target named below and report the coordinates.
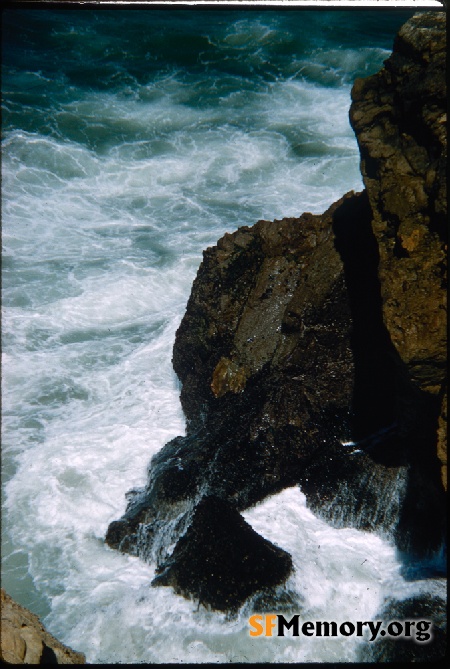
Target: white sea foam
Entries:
(105, 214)
(339, 575)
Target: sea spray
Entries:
(124, 156)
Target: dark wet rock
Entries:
(266, 359)
(221, 561)
(304, 333)
(428, 634)
(267, 311)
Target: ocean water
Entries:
(132, 140)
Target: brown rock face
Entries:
(269, 317)
(304, 333)
(399, 116)
(24, 640)
(265, 359)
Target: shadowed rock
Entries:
(221, 560)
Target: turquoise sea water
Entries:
(132, 140)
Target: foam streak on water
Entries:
(131, 142)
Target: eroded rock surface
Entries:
(400, 116)
(24, 640)
(304, 333)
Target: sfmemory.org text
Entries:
(275, 624)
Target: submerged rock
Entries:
(303, 334)
(24, 640)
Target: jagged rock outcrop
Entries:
(24, 640)
(399, 116)
(303, 333)
(268, 309)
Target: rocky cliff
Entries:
(24, 640)
(399, 117)
(304, 334)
